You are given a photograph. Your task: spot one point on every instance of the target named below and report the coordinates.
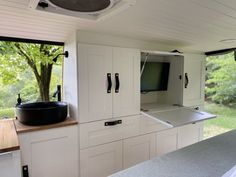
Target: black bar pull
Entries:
(109, 83)
(117, 83)
(186, 80)
(113, 123)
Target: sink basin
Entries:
(41, 113)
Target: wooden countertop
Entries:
(8, 136)
(21, 128)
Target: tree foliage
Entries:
(221, 79)
(16, 59)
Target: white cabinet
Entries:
(10, 164)
(189, 134)
(50, 153)
(166, 141)
(96, 133)
(194, 79)
(101, 161)
(109, 82)
(126, 70)
(138, 149)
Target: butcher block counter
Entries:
(8, 136)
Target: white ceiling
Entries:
(189, 24)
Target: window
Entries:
(27, 70)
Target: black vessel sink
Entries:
(41, 113)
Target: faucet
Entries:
(57, 93)
(18, 100)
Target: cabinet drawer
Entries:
(189, 134)
(101, 161)
(138, 149)
(95, 133)
(149, 125)
(166, 141)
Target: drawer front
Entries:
(149, 125)
(101, 161)
(100, 132)
(138, 149)
(166, 141)
(189, 134)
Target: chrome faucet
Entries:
(57, 93)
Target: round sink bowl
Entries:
(41, 113)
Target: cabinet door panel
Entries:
(51, 153)
(94, 64)
(194, 67)
(166, 141)
(101, 161)
(10, 164)
(126, 62)
(189, 134)
(138, 149)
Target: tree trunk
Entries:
(44, 81)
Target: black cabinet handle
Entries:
(25, 171)
(109, 83)
(186, 80)
(117, 83)
(113, 123)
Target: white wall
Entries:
(70, 81)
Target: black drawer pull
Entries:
(109, 83)
(117, 83)
(112, 123)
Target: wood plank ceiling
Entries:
(188, 24)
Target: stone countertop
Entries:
(209, 158)
(8, 136)
(21, 128)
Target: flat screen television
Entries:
(155, 76)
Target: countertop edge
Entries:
(21, 128)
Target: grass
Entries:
(7, 113)
(225, 121)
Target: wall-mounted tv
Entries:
(155, 76)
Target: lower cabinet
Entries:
(166, 141)
(138, 149)
(106, 159)
(189, 134)
(102, 160)
(10, 164)
(50, 153)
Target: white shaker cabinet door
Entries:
(50, 153)
(138, 149)
(101, 161)
(189, 134)
(166, 141)
(126, 74)
(95, 78)
(194, 79)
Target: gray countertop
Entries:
(209, 158)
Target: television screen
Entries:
(155, 76)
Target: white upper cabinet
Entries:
(108, 82)
(194, 79)
(95, 69)
(126, 94)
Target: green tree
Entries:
(16, 58)
(221, 79)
